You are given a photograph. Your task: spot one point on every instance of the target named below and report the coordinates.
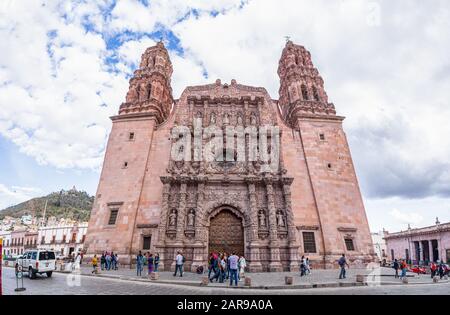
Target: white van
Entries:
(37, 262)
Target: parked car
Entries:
(37, 262)
(419, 270)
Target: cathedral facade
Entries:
(307, 202)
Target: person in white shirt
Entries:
(179, 260)
(242, 265)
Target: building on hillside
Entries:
(421, 245)
(294, 193)
(379, 246)
(64, 239)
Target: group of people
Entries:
(148, 259)
(222, 266)
(402, 266)
(305, 268)
(440, 269)
(109, 261)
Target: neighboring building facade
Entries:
(379, 246)
(310, 204)
(17, 242)
(422, 245)
(64, 239)
(6, 236)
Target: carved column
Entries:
(292, 230)
(275, 264)
(199, 256)
(160, 247)
(254, 259)
(181, 217)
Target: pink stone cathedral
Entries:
(147, 201)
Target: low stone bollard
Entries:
(360, 278)
(288, 280)
(154, 276)
(205, 281)
(435, 279)
(248, 281)
(405, 280)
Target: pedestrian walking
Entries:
(342, 263)
(222, 269)
(179, 261)
(396, 266)
(139, 264)
(433, 268)
(242, 266)
(108, 261)
(150, 262)
(307, 266)
(441, 270)
(156, 262)
(103, 261)
(302, 266)
(233, 268)
(403, 268)
(94, 264)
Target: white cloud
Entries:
(15, 194)
(406, 217)
(390, 78)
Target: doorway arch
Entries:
(226, 232)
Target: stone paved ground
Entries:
(273, 280)
(66, 284)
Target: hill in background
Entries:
(71, 204)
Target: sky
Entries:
(65, 66)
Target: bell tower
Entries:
(150, 91)
(301, 86)
(328, 165)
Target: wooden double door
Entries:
(226, 233)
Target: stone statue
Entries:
(226, 119)
(280, 219)
(173, 218)
(191, 218)
(262, 219)
(253, 119)
(213, 119)
(239, 120)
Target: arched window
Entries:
(304, 93)
(316, 94)
(296, 60)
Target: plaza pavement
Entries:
(317, 279)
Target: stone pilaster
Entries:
(254, 259)
(167, 183)
(181, 216)
(199, 255)
(274, 248)
(292, 230)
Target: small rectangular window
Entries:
(113, 216)
(322, 137)
(309, 242)
(147, 242)
(125, 164)
(131, 136)
(349, 244)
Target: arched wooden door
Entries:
(226, 233)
